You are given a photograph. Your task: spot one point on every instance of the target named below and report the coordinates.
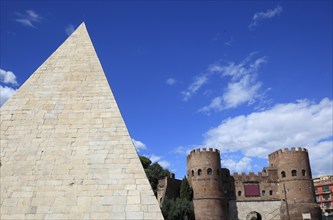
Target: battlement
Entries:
(251, 176)
(280, 152)
(204, 150)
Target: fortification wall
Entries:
(295, 182)
(204, 174)
(294, 173)
(246, 209)
(268, 189)
(168, 187)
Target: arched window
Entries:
(293, 173)
(263, 192)
(192, 172)
(239, 193)
(283, 174)
(270, 192)
(209, 171)
(303, 172)
(199, 172)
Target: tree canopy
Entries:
(154, 172)
(182, 207)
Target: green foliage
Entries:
(179, 209)
(186, 191)
(154, 173)
(145, 161)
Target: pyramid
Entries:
(65, 150)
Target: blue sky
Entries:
(248, 78)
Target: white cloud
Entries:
(244, 91)
(171, 81)
(7, 77)
(69, 29)
(139, 145)
(28, 19)
(302, 123)
(154, 158)
(185, 150)
(197, 83)
(5, 93)
(158, 159)
(165, 164)
(243, 86)
(270, 13)
(243, 165)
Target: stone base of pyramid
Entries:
(65, 149)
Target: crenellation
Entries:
(243, 191)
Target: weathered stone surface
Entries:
(65, 149)
(243, 209)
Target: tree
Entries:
(177, 209)
(154, 172)
(180, 208)
(186, 191)
(145, 161)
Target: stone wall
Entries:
(242, 209)
(168, 187)
(65, 149)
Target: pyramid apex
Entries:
(72, 143)
(81, 26)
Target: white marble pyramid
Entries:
(65, 149)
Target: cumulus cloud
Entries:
(164, 163)
(158, 159)
(243, 165)
(243, 86)
(197, 83)
(7, 77)
(69, 29)
(8, 85)
(268, 14)
(302, 123)
(29, 18)
(5, 93)
(139, 145)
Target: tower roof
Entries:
(65, 150)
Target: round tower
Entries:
(204, 175)
(295, 184)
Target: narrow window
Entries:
(263, 193)
(326, 189)
(192, 173)
(270, 192)
(209, 171)
(326, 196)
(283, 174)
(303, 173)
(218, 172)
(239, 193)
(293, 173)
(199, 172)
